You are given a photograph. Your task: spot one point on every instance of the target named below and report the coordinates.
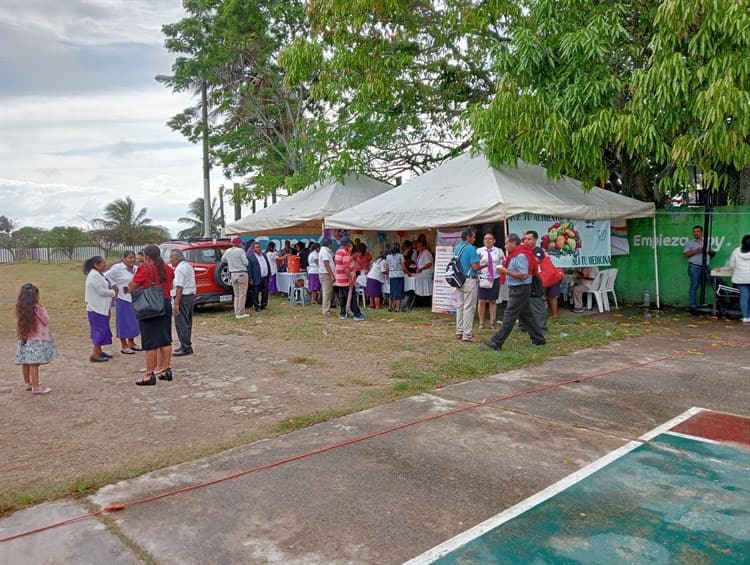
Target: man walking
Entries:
(236, 261)
(183, 301)
(466, 296)
(697, 270)
(326, 274)
(516, 272)
(345, 280)
(259, 273)
(536, 299)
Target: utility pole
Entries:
(206, 164)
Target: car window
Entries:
(204, 255)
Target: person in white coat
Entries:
(739, 262)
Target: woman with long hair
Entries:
(739, 262)
(156, 333)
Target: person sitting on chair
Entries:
(584, 279)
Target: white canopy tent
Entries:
(304, 211)
(468, 190)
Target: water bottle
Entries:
(646, 299)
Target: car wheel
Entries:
(222, 276)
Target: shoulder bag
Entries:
(148, 302)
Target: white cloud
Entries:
(82, 121)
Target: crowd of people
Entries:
(533, 283)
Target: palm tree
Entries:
(194, 219)
(121, 223)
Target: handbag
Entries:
(550, 274)
(486, 283)
(148, 302)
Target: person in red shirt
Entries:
(345, 280)
(156, 333)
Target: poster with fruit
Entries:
(569, 242)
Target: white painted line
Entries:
(432, 555)
(463, 538)
(693, 438)
(666, 426)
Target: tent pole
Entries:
(656, 264)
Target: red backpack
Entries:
(549, 274)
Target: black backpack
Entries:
(454, 276)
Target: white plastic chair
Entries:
(300, 294)
(602, 284)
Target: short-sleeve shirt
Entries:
(312, 263)
(468, 255)
(148, 275)
(519, 264)
(324, 255)
(395, 270)
(343, 261)
(184, 276)
(696, 259)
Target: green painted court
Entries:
(680, 494)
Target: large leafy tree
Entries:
(624, 94)
(66, 238)
(691, 104)
(258, 123)
(194, 220)
(397, 77)
(122, 223)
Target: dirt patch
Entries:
(239, 384)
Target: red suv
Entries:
(211, 275)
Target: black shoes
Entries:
(165, 375)
(150, 381)
(101, 358)
(492, 345)
(182, 351)
(538, 343)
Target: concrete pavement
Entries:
(387, 498)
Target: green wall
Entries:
(673, 227)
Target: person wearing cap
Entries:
(345, 280)
(236, 261)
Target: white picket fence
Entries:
(54, 255)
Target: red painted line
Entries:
(717, 426)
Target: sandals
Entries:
(128, 351)
(481, 326)
(165, 375)
(40, 389)
(27, 386)
(150, 381)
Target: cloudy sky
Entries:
(82, 120)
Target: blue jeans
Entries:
(744, 299)
(696, 273)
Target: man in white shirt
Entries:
(183, 300)
(326, 274)
(236, 261)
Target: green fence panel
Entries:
(673, 229)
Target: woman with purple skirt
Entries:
(98, 296)
(126, 324)
(313, 270)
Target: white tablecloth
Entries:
(421, 286)
(285, 281)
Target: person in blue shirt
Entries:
(517, 271)
(466, 296)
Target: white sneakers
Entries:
(242, 316)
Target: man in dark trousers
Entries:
(516, 272)
(259, 274)
(536, 300)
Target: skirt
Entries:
(35, 351)
(489, 293)
(100, 332)
(553, 291)
(272, 284)
(313, 281)
(126, 324)
(374, 288)
(397, 288)
(157, 332)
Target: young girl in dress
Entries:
(35, 343)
